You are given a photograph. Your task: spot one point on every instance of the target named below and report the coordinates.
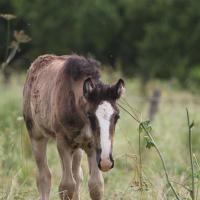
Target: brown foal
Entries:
(65, 99)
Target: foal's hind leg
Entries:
(44, 175)
(77, 172)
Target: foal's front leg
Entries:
(77, 172)
(67, 184)
(96, 182)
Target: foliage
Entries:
(11, 47)
(149, 38)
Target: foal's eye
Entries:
(89, 115)
(116, 117)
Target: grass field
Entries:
(18, 169)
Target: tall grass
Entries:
(18, 169)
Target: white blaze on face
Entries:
(104, 113)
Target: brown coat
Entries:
(53, 92)
(64, 99)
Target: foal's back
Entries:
(38, 90)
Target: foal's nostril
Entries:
(113, 162)
(99, 163)
(105, 164)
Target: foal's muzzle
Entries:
(104, 164)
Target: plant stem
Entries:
(191, 157)
(128, 113)
(140, 161)
(185, 187)
(162, 161)
(157, 150)
(8, 38)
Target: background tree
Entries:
(146, 38)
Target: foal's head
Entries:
(102, 114)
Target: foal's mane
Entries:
(79, 67)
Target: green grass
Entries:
(18, 169)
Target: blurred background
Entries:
(143, 38)
(153, 44)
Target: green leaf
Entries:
(140, 128)
(149, 143)
(191, 125)
(145, 126)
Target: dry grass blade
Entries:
(190, 126)
(21, 37)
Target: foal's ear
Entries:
(88, 87)
(120, 88)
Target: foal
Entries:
(64, 98)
